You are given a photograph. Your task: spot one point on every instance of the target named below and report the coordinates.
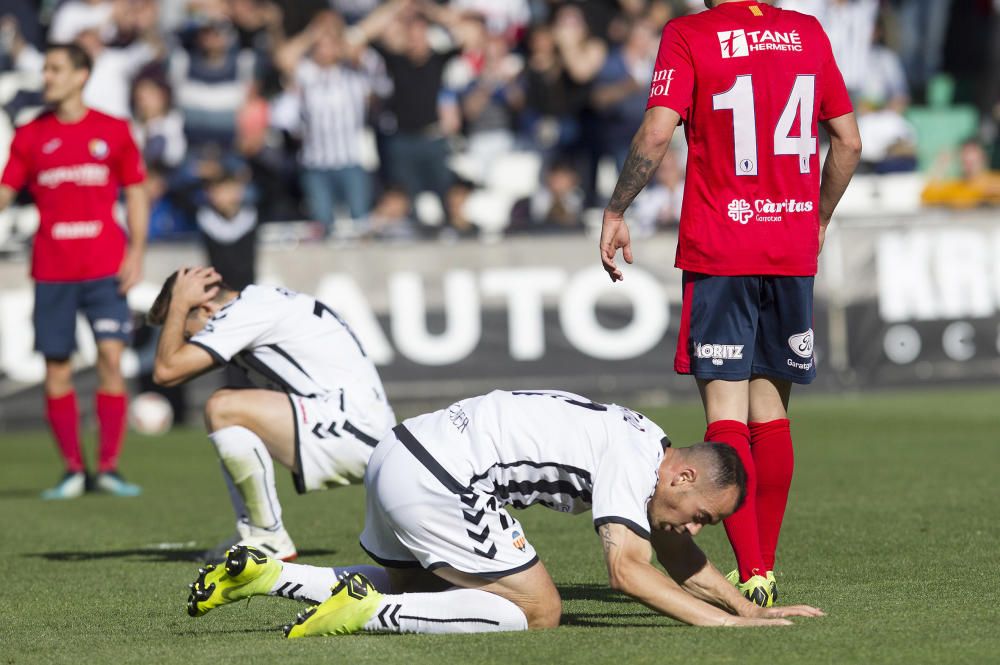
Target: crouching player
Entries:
(321, 407)
(456, 561)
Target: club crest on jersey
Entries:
(98, 148)
(718, 353)
(519, 540)
(740, 211)
(733, 43)
(802, 344)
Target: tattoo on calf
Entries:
(636, 172)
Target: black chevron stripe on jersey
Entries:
(479, 537)
(583, 474)
(488, 554)
(475, 518)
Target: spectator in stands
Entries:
(556, 207)
(508, 19)
(210, 81)
(417, 149)
(228, 224)
(17, 52)
(621, 89)
(110, 83)
(458, 225)
(482, 84)
(258, 25)
(976, 186)
(923, 25)
(392, 219)
(552, 100)
(73, 17)
(333, 86)
(158, 128)
(659, 205)
(888, 138)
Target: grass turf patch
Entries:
(891, 528)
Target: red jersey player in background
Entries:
(74, 160)
(750, 83)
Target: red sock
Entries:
(741, 526)
(774, 459)
(64, 421)
(111, 419)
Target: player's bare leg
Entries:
(774, 459)
(63, 416)
(248, 428)
(111, 405)
(727, 409)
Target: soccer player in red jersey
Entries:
(74, 160)
(750, 83)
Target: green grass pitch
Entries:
(892, 528)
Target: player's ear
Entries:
(685, 476)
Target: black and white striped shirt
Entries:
(333, 103)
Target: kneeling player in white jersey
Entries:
(456, 561)
(320, 413)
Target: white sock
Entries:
(377, 575)
(452, 611)
(239, 507)
(245, 457)
(312, 584)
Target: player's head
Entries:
(197, 316)
(698, 485)
(67, 68)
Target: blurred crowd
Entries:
(411, 118)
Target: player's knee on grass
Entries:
(543, 611)
(223, 409)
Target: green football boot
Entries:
(246, 572)
(759, 590)
(353, 601)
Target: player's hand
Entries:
(614, 236)
(193, 286)
(747, 622)
(793, 611)
(130, 271)
(822, 236)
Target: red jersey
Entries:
(750, 83)
(74, 171)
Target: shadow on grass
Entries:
(613, 620)
(599, 592)
(20, 493)
(146, 554)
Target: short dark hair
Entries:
(726, 467)
(161, 306)
(79, 58)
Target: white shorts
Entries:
(418, 515)
(334, 437)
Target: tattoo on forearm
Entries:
(636, 172)
(606, 538)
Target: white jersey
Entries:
(544, 447)
(291, 342)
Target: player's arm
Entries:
(7, 196)
(688, 566)
(137, 218)
(177, 360)
(628, 555)
(649, 146)
(841, 161)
